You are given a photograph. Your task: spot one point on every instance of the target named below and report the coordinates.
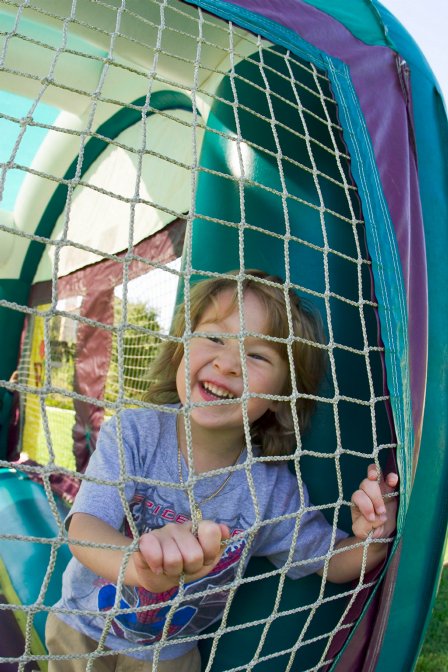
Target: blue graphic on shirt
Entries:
(143, 627)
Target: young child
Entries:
(137, 484)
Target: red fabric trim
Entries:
(96, 283)
(63, 485)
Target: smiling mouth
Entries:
(217, 392)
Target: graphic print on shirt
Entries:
(197, 610)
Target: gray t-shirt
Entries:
(149, 440)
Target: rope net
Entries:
(103, 86)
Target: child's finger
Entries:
(364, 504)
(210, 536)
(391, 480)
(373, 472)
(373, 491)
(191, 551)
(151, 552)
(173, 561)
(362, 528)
(225, 532)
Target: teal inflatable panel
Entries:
(244, 226)
(25, 512)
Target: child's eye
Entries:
(258, 356)
(215, 339)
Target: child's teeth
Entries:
(218, 391)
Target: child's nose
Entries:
(228, 361)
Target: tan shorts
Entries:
(63, 640)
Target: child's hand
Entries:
(371, 512)
(173, 549)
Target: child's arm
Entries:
(371, 513)
(162, 556)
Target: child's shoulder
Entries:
(140, 421)
(140, 432)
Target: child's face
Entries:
(215, 365)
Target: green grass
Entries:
(60, 423)
(434, 654)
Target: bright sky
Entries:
(162, 294)
(427, 22)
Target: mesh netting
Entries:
(60, 408)
(153, 115)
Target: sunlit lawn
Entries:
(434, 654)
(60, 422)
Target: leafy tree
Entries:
(139, 343)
